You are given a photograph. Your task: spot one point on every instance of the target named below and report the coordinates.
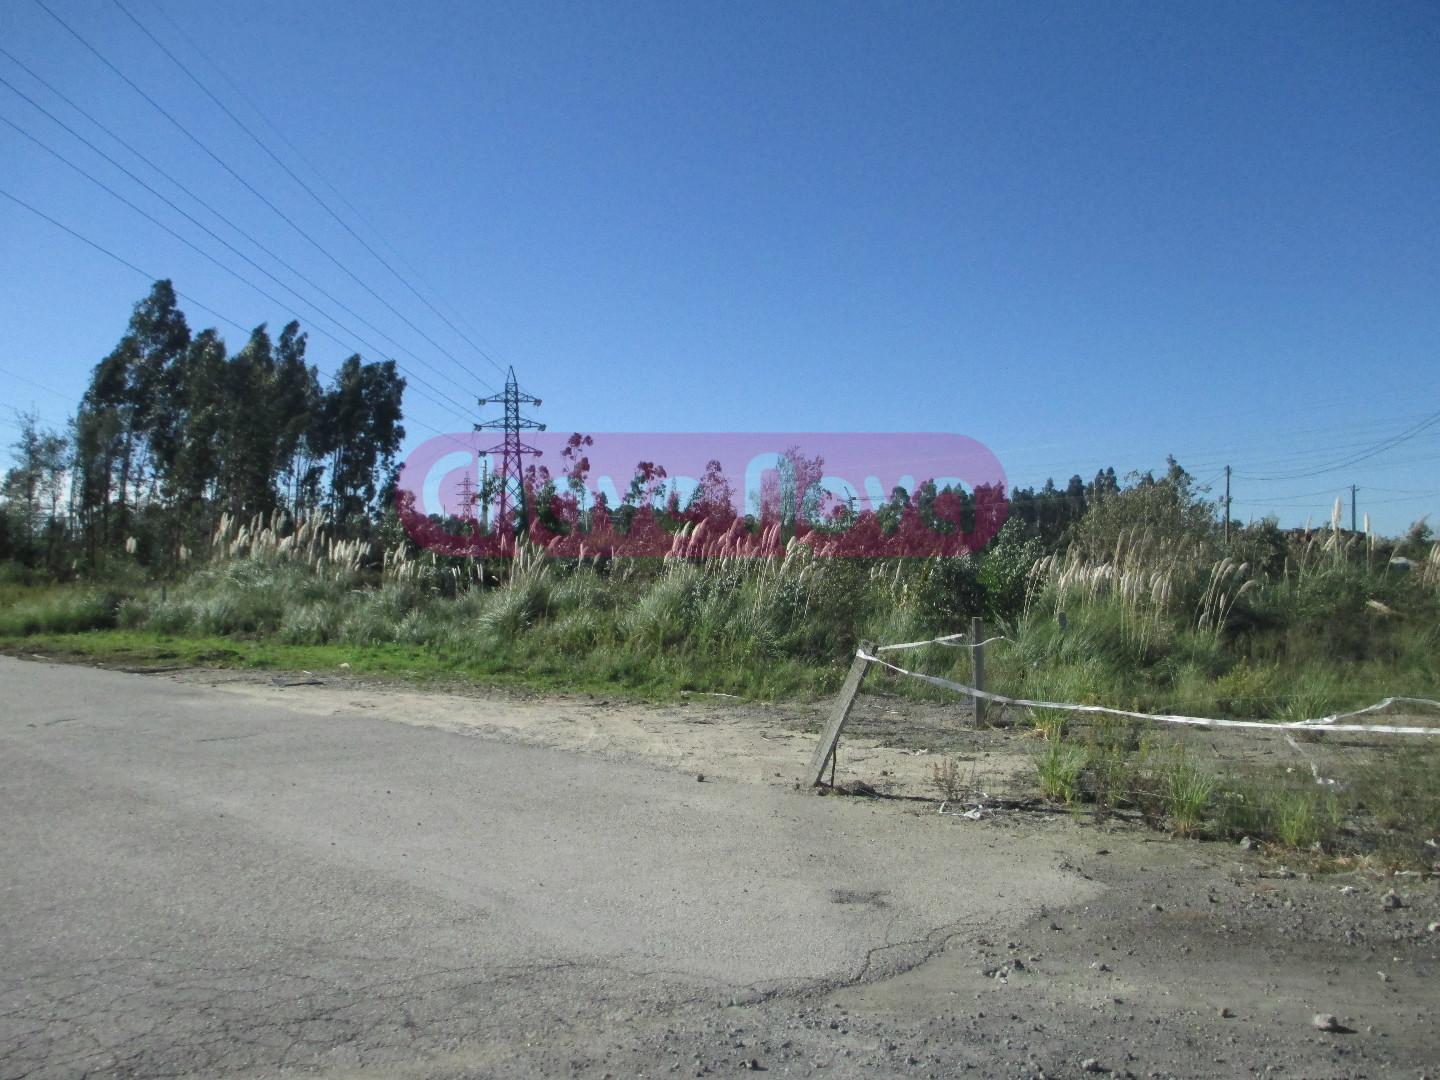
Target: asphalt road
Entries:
(196, 885)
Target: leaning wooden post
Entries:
(977, 663)
(830, 737)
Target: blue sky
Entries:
(1086, 235)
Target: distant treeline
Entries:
(175, 430)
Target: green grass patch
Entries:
(606, 672)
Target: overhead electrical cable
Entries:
(249, 186)
(1416, 497)
(303, 185)
(32, 382)
(300, 154)
(206, 229)
(120, 259)
(194, 303)
(455, 408)
(1302, 444)
(17, 415)
(1379, 448)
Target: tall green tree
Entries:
(155, 391)
(129, 425)
(297, 402)
(361, 431)
(200, 455)
(251, 436)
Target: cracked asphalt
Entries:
(194, 884)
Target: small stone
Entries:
(1325, 1022)
(1246, 843)
(1348, 890)
(1156, 907)
(1383, 976)
(753, 1065)
(1092, 1066)
(700, 776)
(1434, 928)
(1227, 1013)
(1391, 900)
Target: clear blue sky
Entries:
(1086, 235)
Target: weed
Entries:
(1189, 790)
(1294, 818)
(1058, 769)
(947, 779)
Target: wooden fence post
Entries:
(830, 737)
(977, 664)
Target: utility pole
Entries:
(511, 450)
(1353, 489)
(1227, 504)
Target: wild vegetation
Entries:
(228, 508)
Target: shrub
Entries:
(947, 592)
(61, 611)
(1005, 569)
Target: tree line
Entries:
(174, 429)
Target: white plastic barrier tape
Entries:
(955, 641)
(1324, 723)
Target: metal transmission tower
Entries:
(467, 496)
(512, 486)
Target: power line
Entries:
(290, 173)
(1323, 446)
(17, 414)
(1379, 448)
(197, 223)
(119, 258)
(442, 400)
(196, 303)
(245, 183)
(300, 154)
(1322, 492)
(1398, 491)
(1415, 497)
(32, 382)
(1303, 445)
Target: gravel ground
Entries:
(1023, 944)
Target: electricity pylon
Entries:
(511, 451)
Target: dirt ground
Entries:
(889, 743)
(1186, 959)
